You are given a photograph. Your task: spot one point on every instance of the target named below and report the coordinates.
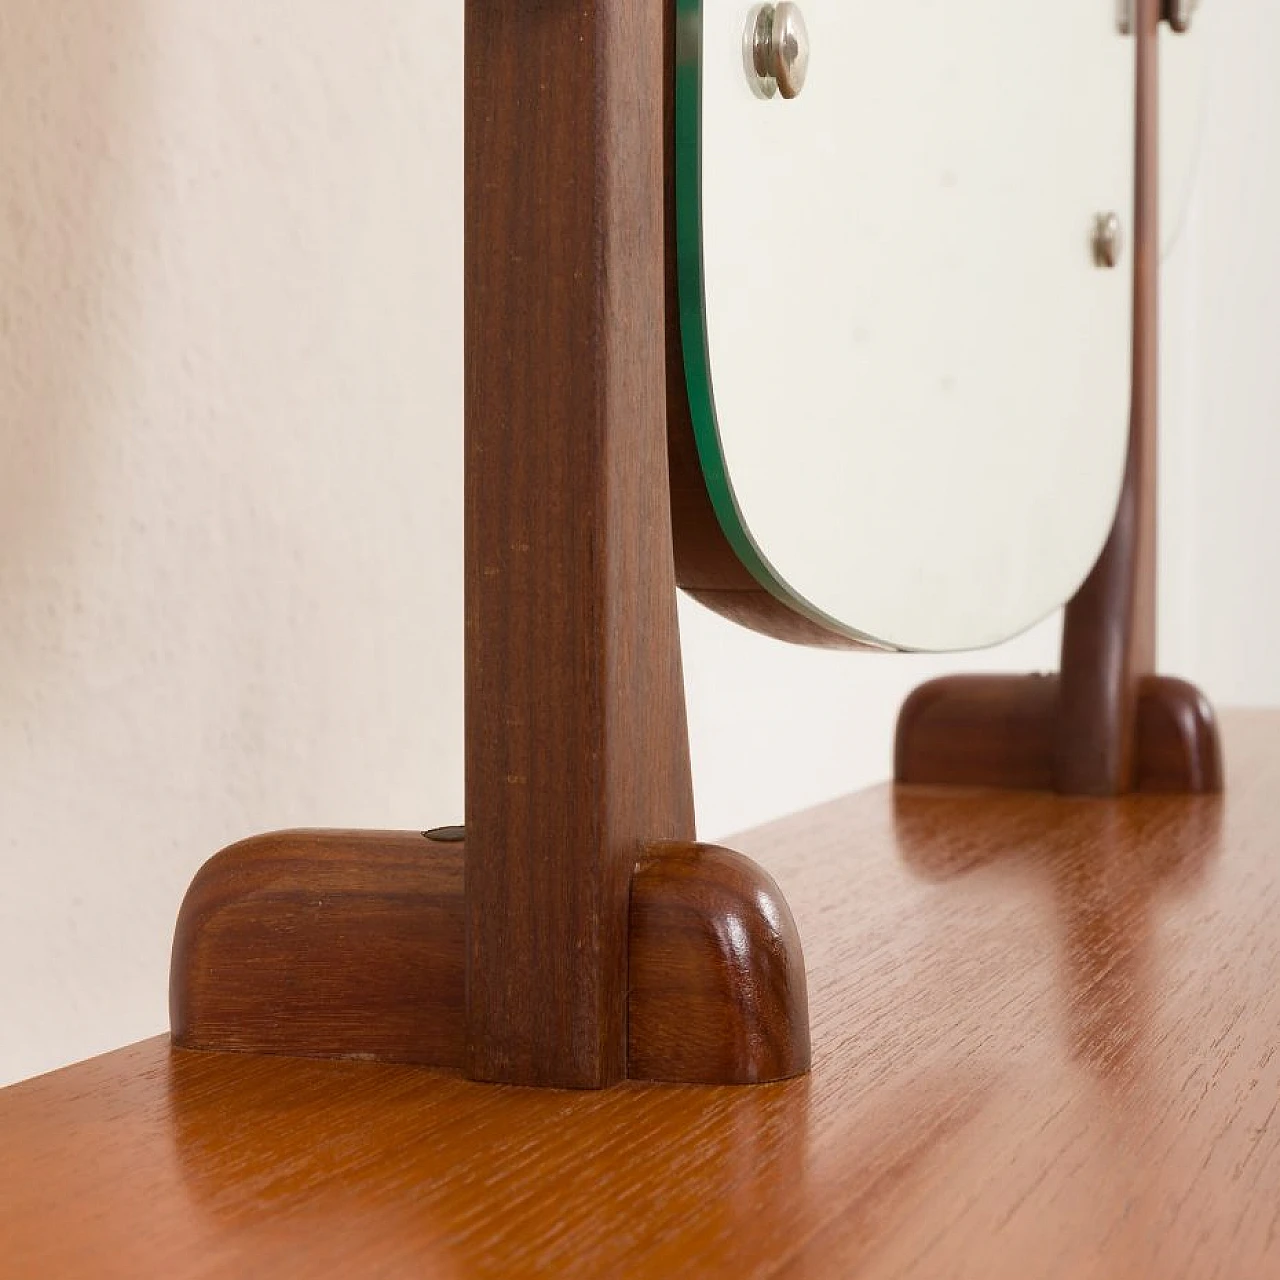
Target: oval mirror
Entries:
(905, 303)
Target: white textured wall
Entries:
(230, 459)
(230, 472)
(1222, 374)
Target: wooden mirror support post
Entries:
(1107, 724)
(572, 933)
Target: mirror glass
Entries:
(908, 372)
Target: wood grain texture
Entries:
(349, 944)
(717, 984)
(508, 953)
(978, 730)
(1045, 1047)
(576, 743)
(1004, 731)
(1107, 724)
(325, 944)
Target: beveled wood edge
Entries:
(1002, 731)
(350, 944)
(717, 981)
(1179, 743)
(978, 730)
(324, 944)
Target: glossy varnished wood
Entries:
(1109, 629)
(1107, 724)
(1005, 731)
(716, 984)
(1046, 1039)
(325, 944)
(349, 944)
(510, 953)
(576, 745)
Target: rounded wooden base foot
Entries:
(717, 984)
(1000, 731)
(351, 944)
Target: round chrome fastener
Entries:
(776, 49)
(1178, 14)
(1108, 240)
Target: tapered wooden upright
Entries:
(574, 933)
(576, 748)
(1107, 724)
(1109, 630)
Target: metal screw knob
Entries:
(777, 49)
(1178, 14)
(1108, 240)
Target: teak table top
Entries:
(1045, 1037)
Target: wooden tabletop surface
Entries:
(1045, 1038)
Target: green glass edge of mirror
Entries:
(691, 291)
